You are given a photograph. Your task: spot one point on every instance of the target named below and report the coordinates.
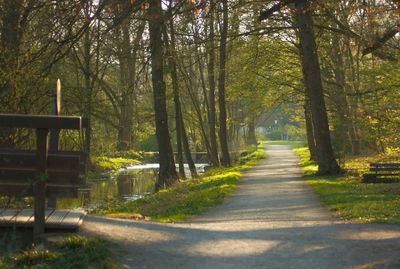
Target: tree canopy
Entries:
(206, 75)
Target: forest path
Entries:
(273, 220)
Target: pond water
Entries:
(127, 184)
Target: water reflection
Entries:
(126, 184)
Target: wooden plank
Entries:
(47, 214)
(60, 162)
(24, 216)
(30, 176)
(72, 219)
(40, 121)
(56, 218)
(26, 190)
(8, 215)
(81, 154)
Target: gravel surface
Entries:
(273, 220)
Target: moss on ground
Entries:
(186, 198)
(349, 197)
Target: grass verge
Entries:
(351, 199)
(73, 252)
(186, 198)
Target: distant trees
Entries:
(343, 44)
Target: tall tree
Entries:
(223, 139)
(211, 81)
(312, 76)
(167, 173)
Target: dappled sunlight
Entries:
(371, 235)
(129, 230)
(231, 247)
(312, 248)
(371, 265)
(270, 222)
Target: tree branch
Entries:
(379, 42)
(265, 14)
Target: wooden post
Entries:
(40, 183)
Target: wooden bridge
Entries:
(54, 219)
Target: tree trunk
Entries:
(181, 124)
(310, 130)
(326, 160)
(125, 129)
(175, 89)
(211, 81)
(251, 136)
(221, 87)
(188, 154)
(10, 41)
(88, 93)
(167, 173)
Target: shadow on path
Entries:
(272, 221)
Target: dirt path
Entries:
(272, 221)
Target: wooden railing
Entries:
(41, 173)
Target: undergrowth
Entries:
(348, 196)
(186, 198)
(73, 252)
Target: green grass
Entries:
(186, 198)
(294, 144)
(73, 252)
(351, 199)
(103, 163)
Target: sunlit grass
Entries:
(186, 198)
(351, 199)
(103, 163)
(73, 252)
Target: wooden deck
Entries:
(54, 219)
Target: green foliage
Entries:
(148, 143)
(186, 198)
(249, 158)
(350, 198)
(73, 252)
(103, 163)
(310, 167)
(127, 154)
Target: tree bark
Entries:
(312, 76)
(126, 101)
(188, 154)
(251, 136)
(221, 87)
(310, 130)
(88, 93)
(167, 173)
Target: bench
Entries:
(382, 173)
(41, 173)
